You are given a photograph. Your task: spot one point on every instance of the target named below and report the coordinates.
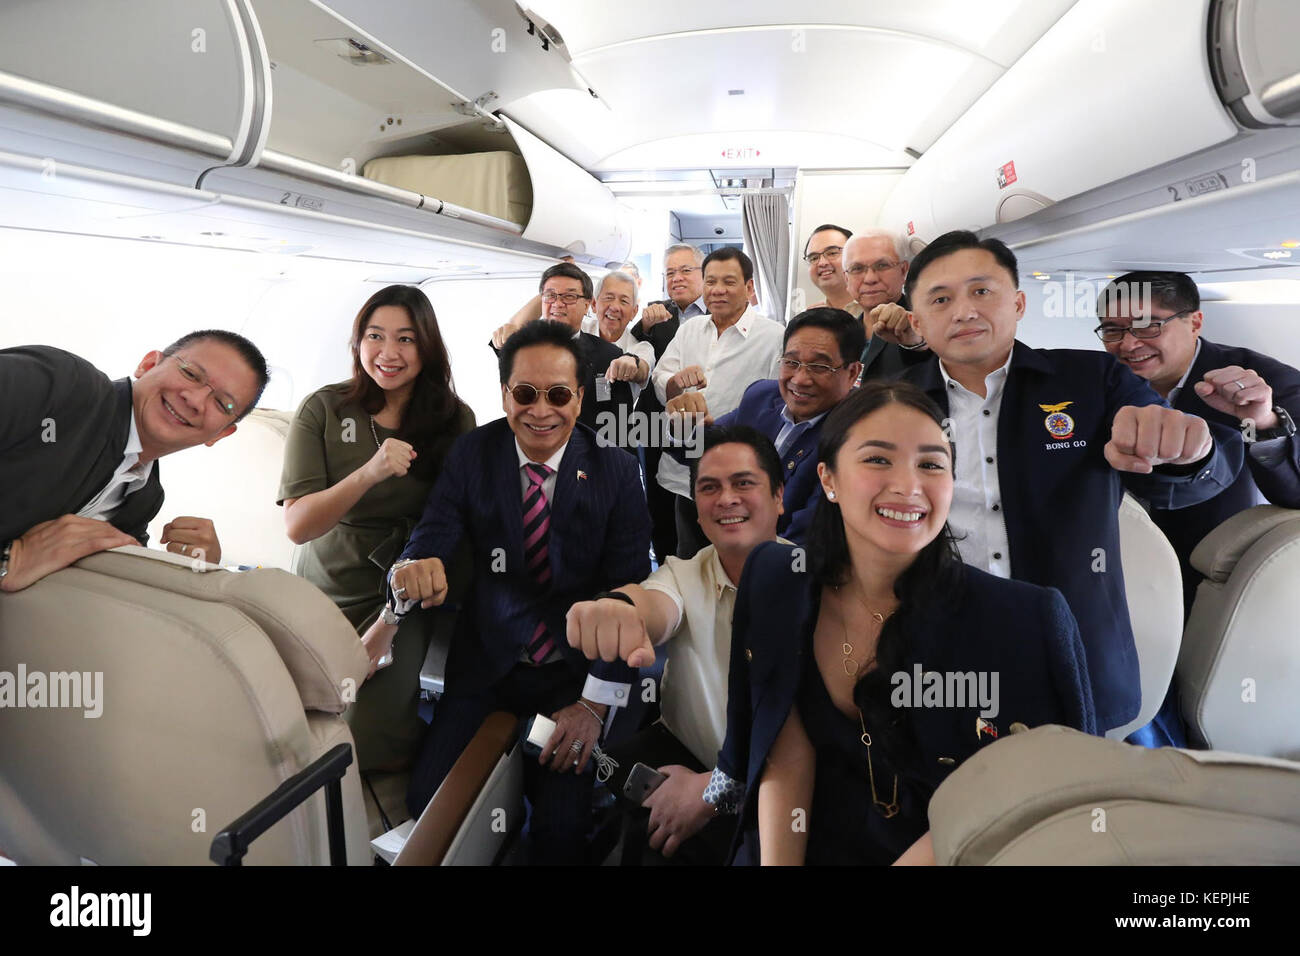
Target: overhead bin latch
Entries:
(478, 106)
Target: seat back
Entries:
(234, 483)
(1053, 795)
(188, 693)
(1153, 585)
(1239, 669)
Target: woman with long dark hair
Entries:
(868, 667)
(359, 462)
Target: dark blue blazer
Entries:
(46, 391)
(1060, 498)
(1025, 634)
(599, 539)
(1279, 483)
(760, 408)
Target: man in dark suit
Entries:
(566, 294)
(78, 452)
(815, 375)
(1151, 322)
(874, 273)
(1047, 441)
(551, 518)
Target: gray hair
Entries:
(620, 277)
(900, 247)
(685, 247)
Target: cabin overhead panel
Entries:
(685, 84)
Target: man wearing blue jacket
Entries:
(1046, 442)
(1151, 322)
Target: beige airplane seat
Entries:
(234, 483)
(1239, 670)
(215, 687)
(1053, 795)
(1153, 586)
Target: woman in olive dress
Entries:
(359, 462)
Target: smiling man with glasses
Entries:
(824, 254)
(78, 452)
(874, 273)
(1151, 322)
(550, 517)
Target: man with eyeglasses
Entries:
(708, 366)
(79, 452)
(547, 518)
(824, 253)
(616, 303)
(1151, 322)
(566, 294)
(874, 273)
(816, 372)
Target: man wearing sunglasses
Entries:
(1151, 322)
(78, 451)
(550, 517)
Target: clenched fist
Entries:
(424, 581)
(611, 630)
(392, 459)
(892, 323)
(1143, 437)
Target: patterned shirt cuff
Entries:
(724, 793)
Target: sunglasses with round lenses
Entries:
(557, 395)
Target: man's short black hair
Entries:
(569, 271)
(249, 352)
(825, 227)
(541, 332)
(727, 253)
(1175, 291)
(956, 241)
(764, 451)
(848, 331)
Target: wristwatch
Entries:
(1284, 428)
(4, 559)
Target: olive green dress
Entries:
(327, 442)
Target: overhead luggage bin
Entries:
(1256, 61)
(1022, 146)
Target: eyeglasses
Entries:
(196, 376)
(879, 267)
(685, 272)
(830, 252)
(815, 369)
(568, 298)
(557, 395)
(1110, 334)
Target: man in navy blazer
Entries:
(551, 518)
(816, 373)
(1046, 443)
(1151, 322)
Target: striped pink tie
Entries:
(537, 527)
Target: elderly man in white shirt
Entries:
(738, 492)
(709, 364)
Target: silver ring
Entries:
(576, 746)
(1240, 387)
(400, 592)
(575, 763)
(185, 549)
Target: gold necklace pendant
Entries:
(885, 809)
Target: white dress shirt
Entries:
(976, 517)
(129, 477)
(748, 351)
